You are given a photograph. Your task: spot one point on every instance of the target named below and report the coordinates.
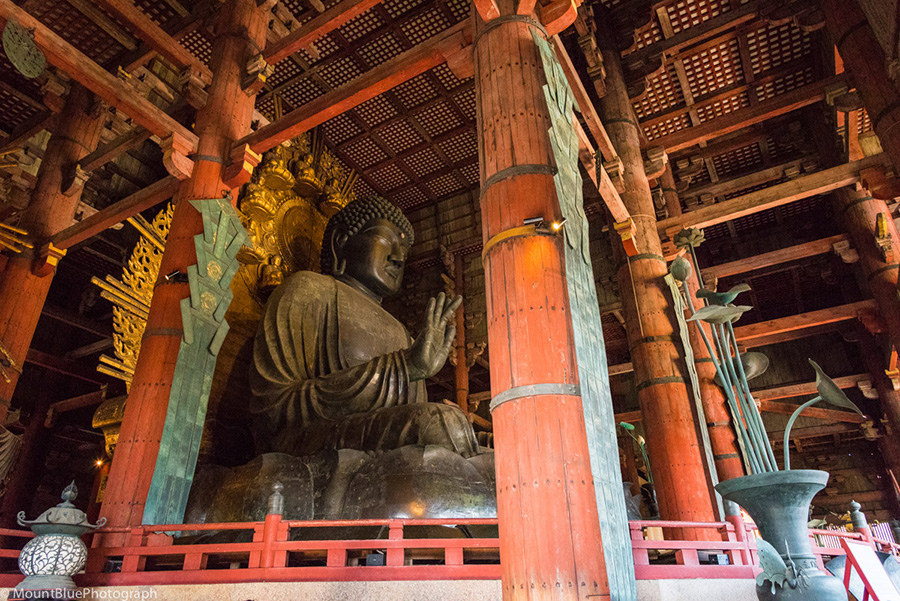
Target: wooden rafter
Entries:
(315, 28)
(741, 118)
(97, 79)
(401, 68)
(802, 187)
(797, 326)
(155, 37)
(130, 206)
(776, 257)
(805, 389)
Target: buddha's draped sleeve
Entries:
(298, 375)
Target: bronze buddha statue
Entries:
(339, 386)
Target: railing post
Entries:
(641, 556)
(860, 523)
(740, 533)
(272, 525)
(395, 556)
(132, 560)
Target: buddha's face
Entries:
(375, 257)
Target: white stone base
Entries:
(435, 590)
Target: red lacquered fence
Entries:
(409, 549)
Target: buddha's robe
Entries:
(329, 371)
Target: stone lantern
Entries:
(50, 559)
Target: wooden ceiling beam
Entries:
(694, 35)
(792, 327)
(28, 128)
(742, 182)
(97, 79)
(401, 68)
(315, 28)
(66, 368)
(831, 415)
(129, 206)
(600, 177)
(805, 389)
(155, 37)
(588, 110)
(796, 189)
(741, 118)
(776, 257)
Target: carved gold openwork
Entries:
(293, 191)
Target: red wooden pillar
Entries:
(888, 398)
(673, 445)
(550, 543)
(722, 438)
(866, 65)
(26, 279)
(858, 212)
(240, 32)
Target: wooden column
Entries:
(866, 65)
(27, 276)
(239, 32)
(722, 437)
(550, 543)
(670, 192)
(879, 257)
(673, 445)
(462, 368)
(888, 398)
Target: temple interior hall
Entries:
(518, 300)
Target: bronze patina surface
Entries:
(339, 398)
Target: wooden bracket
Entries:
(871, 321)
(867, 389)
(240, 167)
(880, 184)
(628, 235)
(655, 161)
(46, 259)
(192, 87)
(615, 170)
(73, 179)
(462, 63)
(487, 9)
(55, 89)
(558, 15)
(175, 156)
(258, 70)
(846, 252)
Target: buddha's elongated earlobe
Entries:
(336, 244)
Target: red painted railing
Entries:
(411, 550)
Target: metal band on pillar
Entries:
(530, 21)
(515, 170)
(518, 392)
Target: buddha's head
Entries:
(366, 243)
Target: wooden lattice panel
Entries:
(786, 83)
(669, 126)
(438, 118)
(77, 30)
(284, 70)
(376, 111)
(471, 173)
(409, 198)
(783, 148)
(301, 92)
(723, 107)
(340, 129)
(161, 12)
(340, 72)
(739, 160)
(425, 25)
(417, 91)
(714, 68)
(14, 111)
(648, 35)
(774, 45)
(424, 162)
(389, 177)
(199, 44)
(444, 185)
(362, 25)
(690, 13)
(460, 147)
(400, 136)
(663, 93)
(364, 153)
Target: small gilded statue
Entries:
(339, 408)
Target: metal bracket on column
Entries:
(518, 392)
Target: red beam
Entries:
(809, 388)
(776, 257)
(402, 68)
(129, 206)
(67, 368)
(789, 328)
(155, 37)
(94, 77)
(832, 415)
(315, 28)
(751, 115)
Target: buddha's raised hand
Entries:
(429, 351)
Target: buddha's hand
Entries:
(429, 350)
